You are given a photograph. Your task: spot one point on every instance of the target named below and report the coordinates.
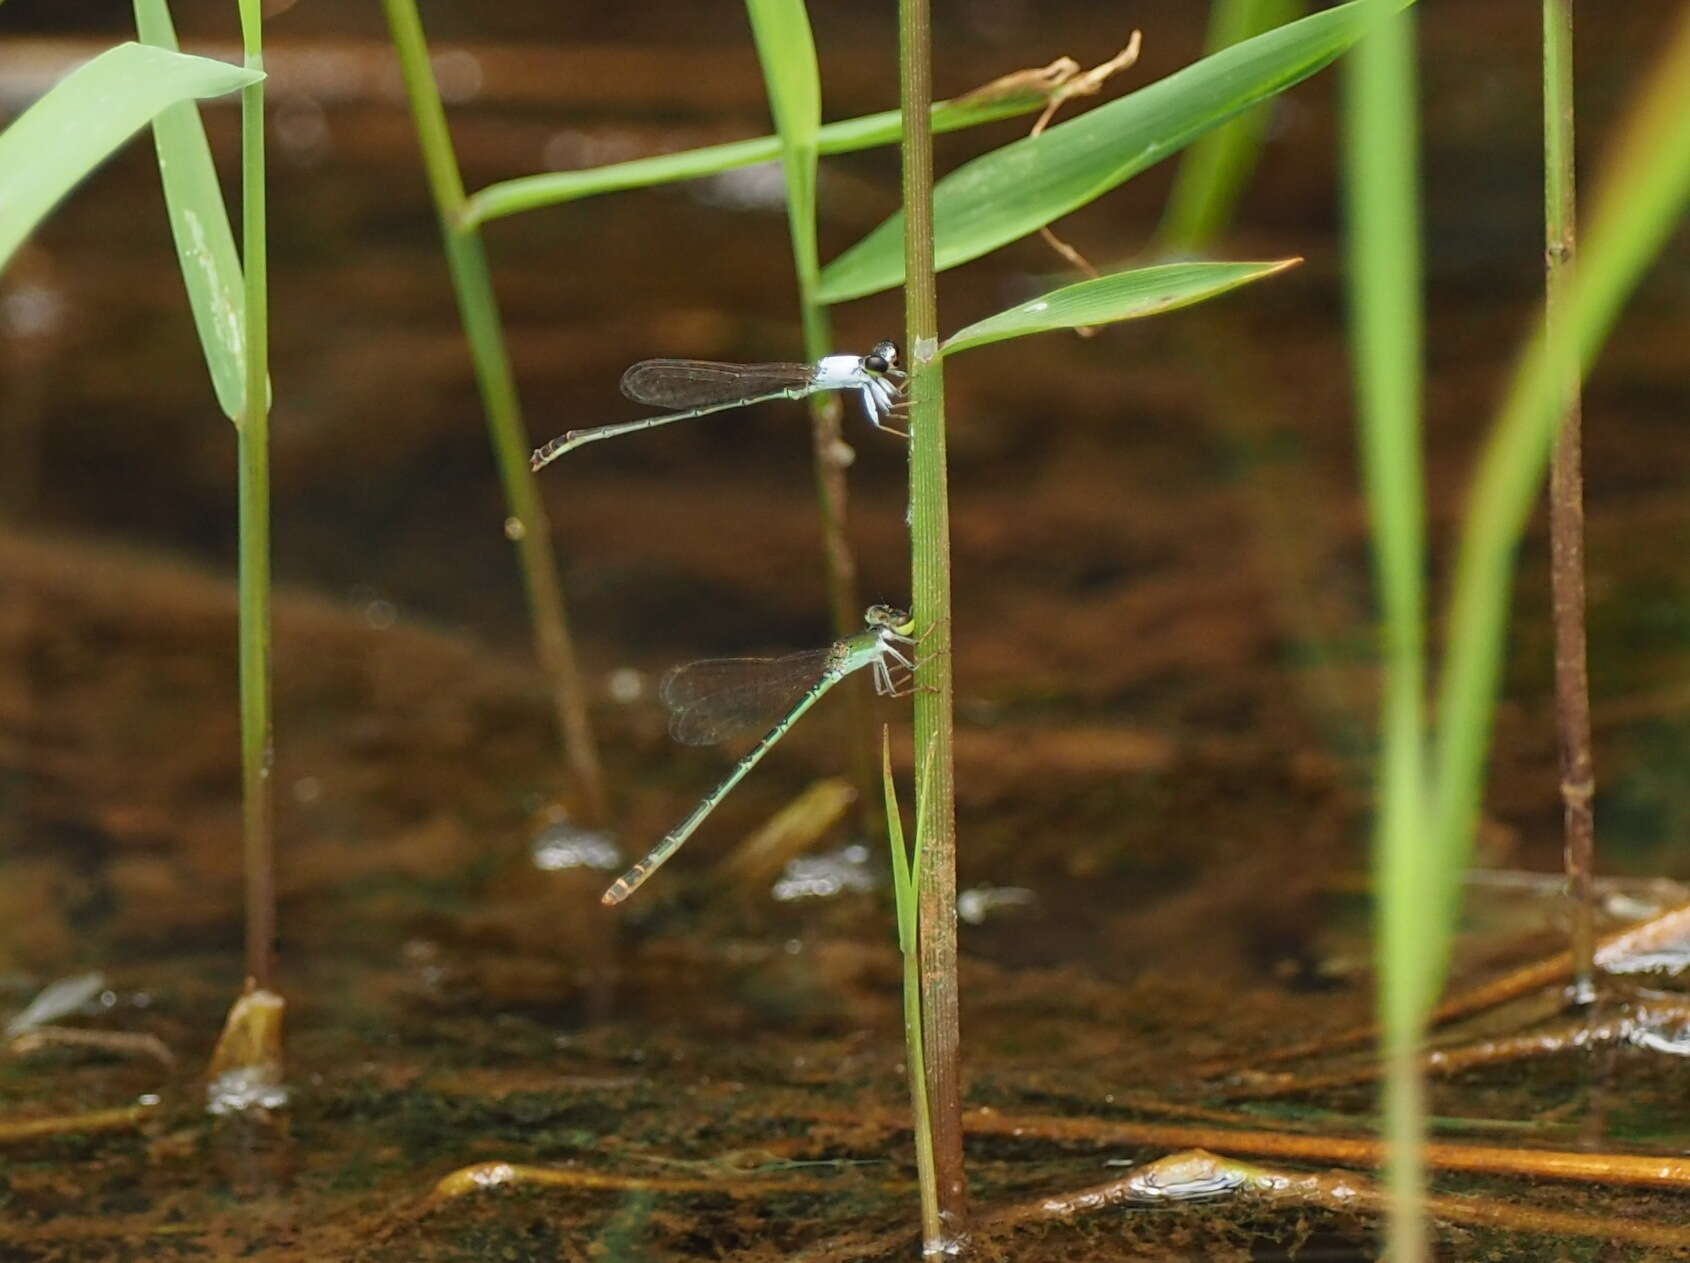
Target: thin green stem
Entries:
(830, 458)
(786, 50)
(1566, 501)
(253, 444)
(1384, 270)
(930, 566)
(528, 526)
(1642, 195)
(1216, 168)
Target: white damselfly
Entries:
(711, 701)
(700, 387)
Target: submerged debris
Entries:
(56, 1000)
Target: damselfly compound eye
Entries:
(875, 363)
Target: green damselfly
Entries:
(711, 701)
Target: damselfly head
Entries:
(883, 358)
(888, 616)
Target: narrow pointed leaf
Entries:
(1023, 186)
(199, 222)
(1121, 296)
(531, 192)
(85, 116)
(903, 887)
(787, 52)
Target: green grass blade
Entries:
(252, 26)
(1644, 194)
(786, 50)
(903, 887)
(1120, 296)
(85, 116)
(532, 192)
(1023, 186)
(199, 222)
(905, 874)
(787, 53)
(1216, 168)
(1382, 186)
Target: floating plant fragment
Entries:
(56, 1000)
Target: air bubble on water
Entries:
(245, 1088)
(563, 846)
(625, 685)
(978, 903)
(845, 871)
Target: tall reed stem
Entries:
(1384, 276)
(839, 563)
(253, 445)
(930, 566)
(1566, 500)
(528, 526)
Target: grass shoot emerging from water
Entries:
(528, 526)
(787, 52)
(906, 887)
(1384, 274)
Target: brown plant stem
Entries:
(1665, 1171)
(831, 457)
(1635, 1170)
(1566, 501)
(22, 1130)
(494, 1174)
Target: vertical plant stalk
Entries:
(831, 459)
(1566, 501)
(839, 564)
(786, 50)
(1640, 199)
(253, 445)
(827, 439)
(930, 566)
(528, 526)
(1216, 168)
(1384, 267)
